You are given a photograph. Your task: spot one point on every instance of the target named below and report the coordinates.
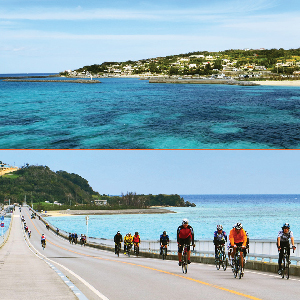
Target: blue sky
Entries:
(53, 36)
(173, 171)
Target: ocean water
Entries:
(6, 225)
(261, 215)
(123, 113)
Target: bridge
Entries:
(66, 271)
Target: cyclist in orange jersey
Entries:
(237, 237)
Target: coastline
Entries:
(68, 213)
(278, 83)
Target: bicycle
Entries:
(184, 261)
(128, 249)
(82, 242)
(237, 269)
(136, 249)
(164, 253)
(118, 249)
(221, 259)
(44, 244)
(285, 265)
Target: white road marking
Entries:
(41, 256)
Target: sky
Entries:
(51, 36)
(183, 172)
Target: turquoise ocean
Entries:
(126, 113)
(261, 215)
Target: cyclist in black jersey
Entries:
(283, 238)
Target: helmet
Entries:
(286, 225)
(164, 232)
(238, 226)
(136, 233)
(185, 221)
(118, 232)
(129, 233)
(219, 227)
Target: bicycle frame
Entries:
(238, 268)
(221, 258)
(285, 265)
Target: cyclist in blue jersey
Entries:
(164, 241)
(220, 238)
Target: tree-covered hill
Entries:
(204, 63)
(38, 184)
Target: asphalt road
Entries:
(101, 274)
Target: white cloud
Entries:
(208, 11)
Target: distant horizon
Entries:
(182, 172)
(131, 59)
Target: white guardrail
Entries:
(259, 250)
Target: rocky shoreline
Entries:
(202, 81)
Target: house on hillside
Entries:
(100, 202)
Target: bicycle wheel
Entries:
(287, 273)
(184, 264)
(283, 267)
(240, 272)
(236, 267)
(224, 262)
(164, 254)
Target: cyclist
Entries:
(237, 237)
(29, 233)
(127, 241)
(283, 242)
(164, 241)
(136, 240)
(43, 239)
(220, 238)
(185, 236)
(82, 239)
(118, 240)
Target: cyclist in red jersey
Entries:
(185, 236)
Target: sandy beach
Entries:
(67, 213)
(279, 83)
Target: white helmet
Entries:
(219, 227)
(185, 221)
(238, 226)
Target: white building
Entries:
(100, 202)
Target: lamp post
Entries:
(87, 225)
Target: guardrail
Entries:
(259, 250)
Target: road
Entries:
(101, 274)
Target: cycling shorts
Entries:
(183, 242)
